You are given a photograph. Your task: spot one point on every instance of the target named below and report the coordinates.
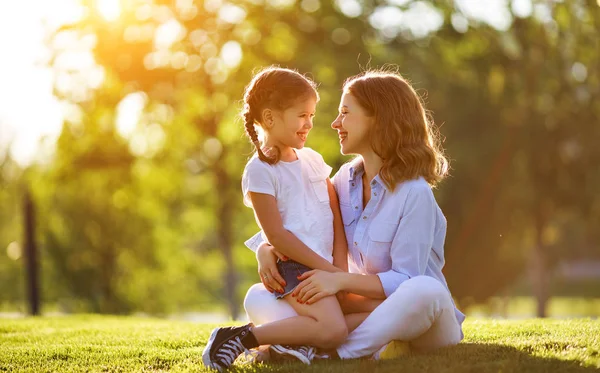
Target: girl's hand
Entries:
(266, 255)
(316, 285)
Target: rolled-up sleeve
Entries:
(413, 241)
(254, 242)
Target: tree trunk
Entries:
(31, 261)
(224, 232)
(539, 267)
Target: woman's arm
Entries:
(317, 284)
(267, 214)
(410, 250)
(340, 245)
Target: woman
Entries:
(394, 227)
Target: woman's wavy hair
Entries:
(403, 134)
(273, 88)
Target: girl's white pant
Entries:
(420, 311)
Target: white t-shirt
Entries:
(300, 188)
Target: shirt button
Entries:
(373, 183)
(375, 194)
(355, 243)
(352, 184)
(364, 218)
(356, 207)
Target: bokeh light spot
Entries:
(14, 251)
(231, 53)
(579, 71)
(109, 9)
(341, 36)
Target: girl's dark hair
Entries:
(273, 88)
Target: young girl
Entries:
(294, 203)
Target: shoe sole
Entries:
(298, 356)
(206, 353)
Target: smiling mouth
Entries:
(342, 136)
(302, 135)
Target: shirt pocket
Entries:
(348, 214)
(382, 232)
(319, 185)
(379, 253)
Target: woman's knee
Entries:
(428, 292)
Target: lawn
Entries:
(128, 344)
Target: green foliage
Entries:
(92, 343)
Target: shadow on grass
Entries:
(466, 357)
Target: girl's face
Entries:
(289, 128)
(352, 125)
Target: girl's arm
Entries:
(340, 245)
(267, 214)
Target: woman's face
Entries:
(352, 125)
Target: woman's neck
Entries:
(372, 164)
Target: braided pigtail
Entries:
(253, 136)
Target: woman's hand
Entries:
(266, 256)
(316, 285)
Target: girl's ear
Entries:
(267, 118)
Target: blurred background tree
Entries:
(140, 205)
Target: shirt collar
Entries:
(357, 168)
(378, 180)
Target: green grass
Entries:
(525, 307)
(127, 344)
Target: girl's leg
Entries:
(321, 324)
(262, 307)
(353, 303)
(420, 310)
(353, 320)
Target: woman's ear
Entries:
(267, 118)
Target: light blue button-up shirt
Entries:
(398, 235)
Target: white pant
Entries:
(420, 311)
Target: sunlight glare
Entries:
(168, 33)
(129, 112)
(231, 53)
(522, 8)
(109, 9)
(30, 111)
(493, 12)
(350, 8)
(232, 14)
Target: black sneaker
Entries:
(224, 346)
(304, 354)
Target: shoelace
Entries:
(230, 351)
(249, 356)
(307, 351)
(321, 356)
